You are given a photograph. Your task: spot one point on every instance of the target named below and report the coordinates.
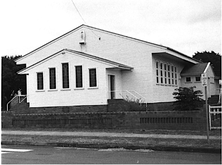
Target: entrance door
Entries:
(112, 86)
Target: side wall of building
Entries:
(212, 84)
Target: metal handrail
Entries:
(140, 96)
(20, 101)
(131, 93)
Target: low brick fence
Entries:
(7, 117)
(171, 120)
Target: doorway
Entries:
(111, 79)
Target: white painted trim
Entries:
(208, 64)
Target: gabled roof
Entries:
(195, 70)
(94, 28)
(113, 64)
(119, 65)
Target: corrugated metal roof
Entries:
(87, 26)
(100, 59)
(115, 64)
(194, 70)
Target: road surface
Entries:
(66, 155)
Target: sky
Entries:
(187, 26)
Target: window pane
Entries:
(168, 81)
(39, 81)
(79, 76)
(52, 78)
(197, 78)
(92, 78)
(65, 75)
(188, 79)
(161, 80)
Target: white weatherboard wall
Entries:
(193, 82)
(125, 50)
(164, 93)
(71, 96)
(113, 47)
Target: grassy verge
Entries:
(115, 142)
(139, 131)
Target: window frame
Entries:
(96, 81)
(169, 74)
(77, 77)
(40, 87)
(54, 79)
(186, 79)
(65, 76)
(197, 80)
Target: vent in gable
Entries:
(83, 38)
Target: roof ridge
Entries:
(110, 32)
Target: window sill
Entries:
(167, 85)
(79, 88)
(40, 91)
(93, 87)
(188, 82)
(68, 89)
(52, 90)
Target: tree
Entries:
(187, 98)
(212, 57)
(11, 81)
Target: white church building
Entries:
(89, 66)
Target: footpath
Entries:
(93, 139)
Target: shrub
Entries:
(187, 98)
(135, 104)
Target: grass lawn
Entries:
(106, 142)
(139, 131)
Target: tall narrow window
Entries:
(172, 73)
(175, 75)
(40, 81)
(92, 78)
(52, 78)
(165, 73)
(161, 73)
(169, 74)
(65, 75)
(157, 73)
(79, 83)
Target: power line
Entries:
(83, 18)
(78, 11)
